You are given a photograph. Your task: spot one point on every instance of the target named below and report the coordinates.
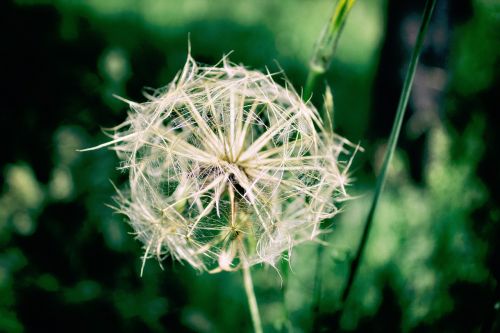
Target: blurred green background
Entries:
(69, 264)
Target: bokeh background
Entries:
(69, 264)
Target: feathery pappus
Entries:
(227, 168)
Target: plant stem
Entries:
(320, 61)
(252, 301)
(312, 77)
(326, 45)
(393, 139)
(284, 268)
(317, 288)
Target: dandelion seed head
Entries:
(227, 167)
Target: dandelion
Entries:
(227, 168)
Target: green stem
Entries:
(320, 61)
(252, 300)
(326, 45)
(317, 288)
(284, 268)
(393, 139)
(312, 78)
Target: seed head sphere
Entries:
(227, 168)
